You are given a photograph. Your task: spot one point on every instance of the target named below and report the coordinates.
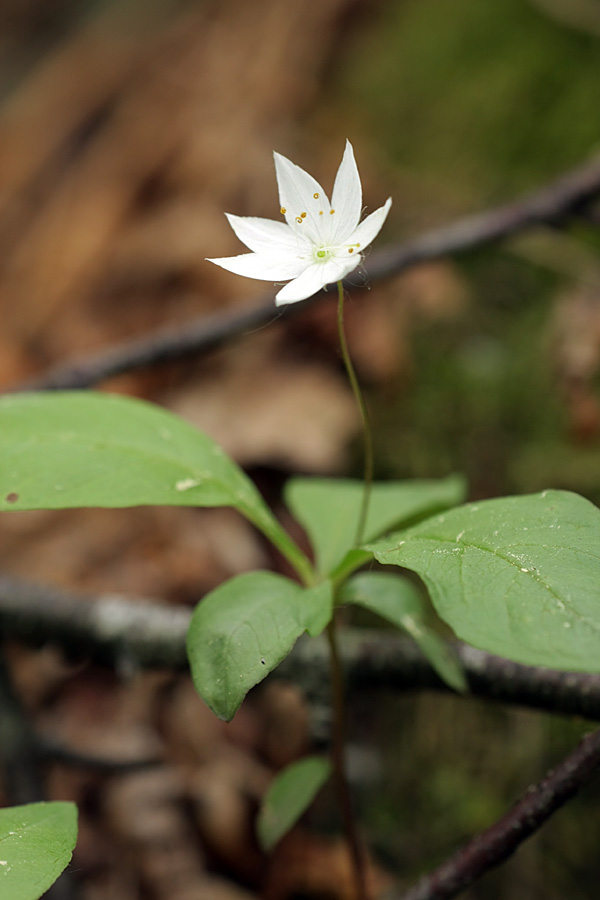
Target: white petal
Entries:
(271, 267)
(300, 193)
(347, 197)
(307, 284)
(370, 227)
(264, 235)
(345, 264)
(314, 278)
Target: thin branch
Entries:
(131, 634)
(568, 196)
(552, 205)
(51, 750)
(494, 845)
(194, 338)
(109, 629)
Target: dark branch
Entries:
(128, 634)
(194, 338)
(552, 205)
(51, 750)
(501, 840)
(109, 629)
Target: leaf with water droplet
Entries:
(525, 583)
(36, 843)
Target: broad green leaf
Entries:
(243, 629)
(396, 599)
(518, 576)
(80, 448)
(288, 797)
(329, 508)
(36, 843)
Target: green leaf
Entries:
(396, 599)
(328, 509)
(36, 843)
(242, 630)
(79, 448)
(288, 797)
(518, 576)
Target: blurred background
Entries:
(127, 129)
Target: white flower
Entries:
(319, 242)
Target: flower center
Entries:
(322, 254)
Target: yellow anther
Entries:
(320, 212)
(298, 220)
(302, 215)
(331, 212)
(350, 249)
(316, 196)
(283, 210)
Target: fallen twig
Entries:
(494, 845)
(130, 634)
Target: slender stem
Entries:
(367, 437)
(337, 681)
(338, 758)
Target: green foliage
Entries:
(398, 600)
(329, 508)
(36, 843)
(288, 797)
(74, 449)
(244, 628)
(518, 576)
